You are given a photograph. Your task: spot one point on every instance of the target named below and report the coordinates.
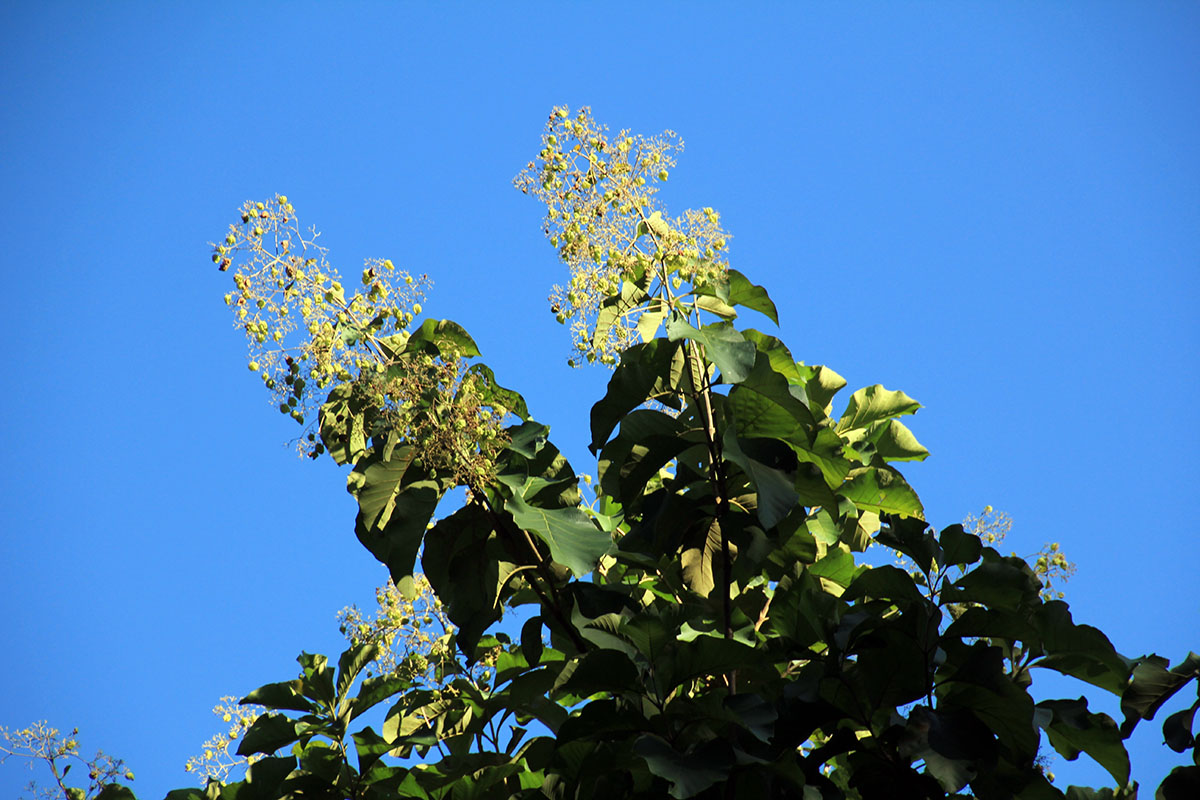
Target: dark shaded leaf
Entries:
(268, 733)
(1071, 728)
(647, 371)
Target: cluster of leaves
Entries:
(704, 629)
(41, 744)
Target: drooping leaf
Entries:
(445, 335)
(647, 371)
(1080, 651)
(1072, 729)
(881, 490)
(723, 345)
(701, 563)
(748, 295)
(1152, 684)
(574, 540)
(821, 385)
(775, 493)
(497, 396)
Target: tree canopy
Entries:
(697, 622)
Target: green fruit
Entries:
(662, 175)
(253, 366)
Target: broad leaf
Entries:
(873, 403)
(723, 346)
(574, 540)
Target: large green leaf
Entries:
(268, 733)
(1071, 728)
(697, 562)
(821, 384)
(394, 508)
(647, 371)
(464, 563)
(1152, 684)
(723, 345)
(764, 404)
(574, 540)
(748, 295)
(496, 395)
(285, 695)
(688, 774)
(776, 494)
(873, 403)
(1080, 651)
(445, 335)
(881, 490)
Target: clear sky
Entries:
(992, 206)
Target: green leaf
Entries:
(723, 346)
(774, 489)
(1183, 783)
(881, 490)
(895, 442)
(268, 733)
(394, 508)
(375, 690)
(714, 305)
(1152, 685)
(614, 307)
(574, 540)
(1177, 729)
(115, 791)
(1080, 651)
(1072, 728)
(647, 371)
(764, 404)
(873, 403)
(697, 562)
(885, 583)
(650, 319)
(531, 640)
(688, 774)
(497, 396)
(353, 661)
(445, 336)
(279, 696)
(821, 385)
(748, 295)
(959, 548)
(779, 357)
(462, 561)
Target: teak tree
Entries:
(702, 628)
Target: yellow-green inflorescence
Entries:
(308, 332)
(603, 220)
(306, 329)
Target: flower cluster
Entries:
(603, 220)
(219, 757)
(1051, 565)
(413, 635)
(305, 329)
(41, 743)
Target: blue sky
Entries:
(994, 207)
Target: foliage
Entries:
(704, 629)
